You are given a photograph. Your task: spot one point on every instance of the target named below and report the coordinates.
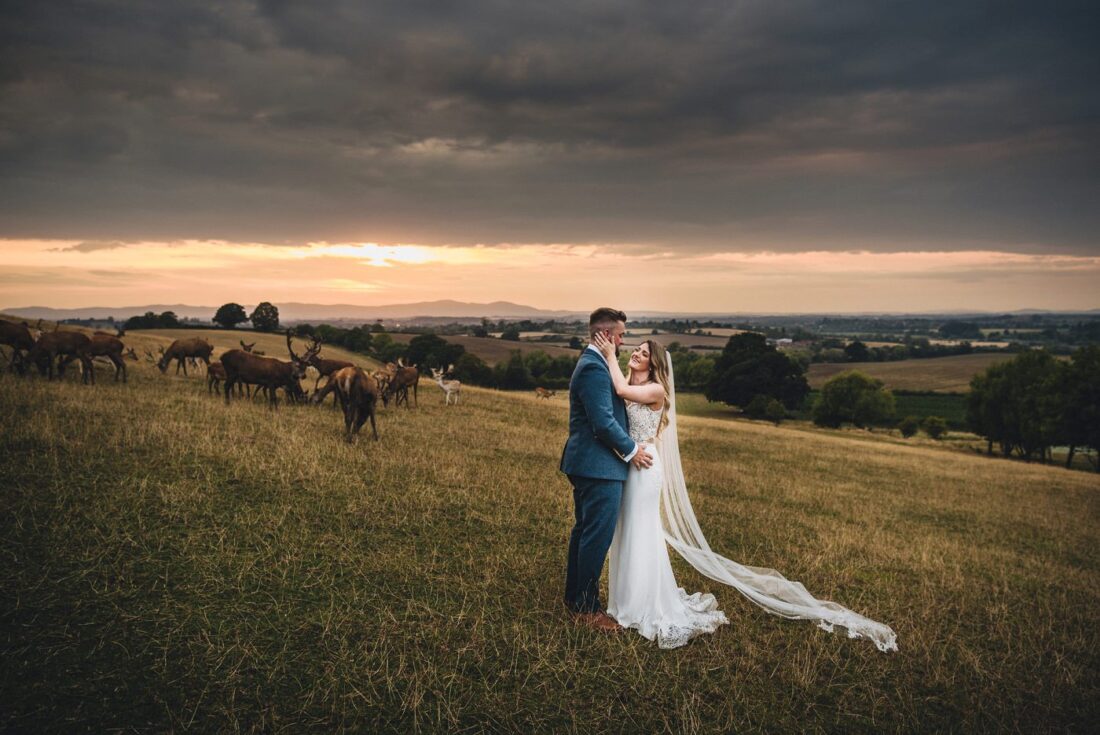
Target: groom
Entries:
(596, 458)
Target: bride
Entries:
(642, 590)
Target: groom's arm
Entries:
(594, 390)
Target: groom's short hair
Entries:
(604, 318)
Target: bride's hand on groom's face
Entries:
(603, 344)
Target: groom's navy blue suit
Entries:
(595, 459)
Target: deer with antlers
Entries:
(196, 348)
(325, 367)
(404, 377)
(450, 387)
(267, 372)
(546, 393)
(358, 394)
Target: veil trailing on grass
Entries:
(766, 587)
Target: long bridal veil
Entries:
(766, 587)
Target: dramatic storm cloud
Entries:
(168, 136)
(707, 124)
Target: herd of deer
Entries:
(356, 390)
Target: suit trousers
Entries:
(596, 510)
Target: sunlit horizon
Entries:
(548, 276)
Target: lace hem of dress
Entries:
(701, 616)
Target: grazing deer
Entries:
(541, 392)
(53, 345)
(251, 348)
(129, 354)
(267, 372)
(450, 387)
(358, 394)
(196, 348)
(104, 345)
(20, 339)
(404, 377)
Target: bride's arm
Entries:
(648, 394)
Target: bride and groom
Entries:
(630, 498)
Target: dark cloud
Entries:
(779, 125)
(91, 246)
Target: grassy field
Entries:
(173, 564)
(941, 374)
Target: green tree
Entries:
(749, 366)
(511, 334)
(513, 374)
(431, 350)
(853, 398)
(763, 407)
(1080, 414)
(857, 352)
(960, 330)
(934, 426)
(538, 363)
(230, 315)
(386, 349)
(909, 426)
(1019, 404)
(265, 317)
(470, 369)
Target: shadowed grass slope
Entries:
(175, 564)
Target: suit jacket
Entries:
(598, 439)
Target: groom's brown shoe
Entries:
(600, 621)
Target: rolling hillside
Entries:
(173, 564)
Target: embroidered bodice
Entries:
(644, 422)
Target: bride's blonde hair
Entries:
(658, 372)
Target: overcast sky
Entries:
(704, 145)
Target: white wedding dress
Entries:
(656, 510)
(642, 591)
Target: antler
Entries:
(313, 349)
(290, 348)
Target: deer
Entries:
(324, 366)
(450, 387)
(129, 354)
(403, 378)
(52, 345)
(191, 347)
(267, 372)
(251, 348)
(20, 338)
(546, 393)
(105, 345)
(358, 394)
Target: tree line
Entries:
(1035, 402)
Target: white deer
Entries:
(449, 386)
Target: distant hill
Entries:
(296, 311)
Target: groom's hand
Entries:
(642, 459)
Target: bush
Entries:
(934, 426)
(853, 398)
(766, 408)
(909, 426)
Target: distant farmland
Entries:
(940, 374)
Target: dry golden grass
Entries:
(173, 564)
(941, 374)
